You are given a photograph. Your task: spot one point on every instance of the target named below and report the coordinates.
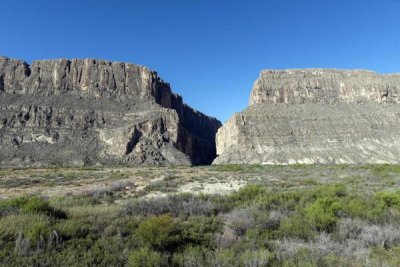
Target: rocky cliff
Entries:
(84, 112)
(315, 116)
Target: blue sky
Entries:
(210, 51)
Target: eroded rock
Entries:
(85, 112)
(315, 116)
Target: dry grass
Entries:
(139, 181)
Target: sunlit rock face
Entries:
(86, 112)
(307, 116)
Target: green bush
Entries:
(335, 190)
(32, 205)
(385, 257)
(124, 226)
(247, 194)
(389, 199)
(365, 208)
(200, 230)
(158, 231)
(323, 213)
(38, 231)
(145, 257)
(29, 224)
(192, 256)
(287, 201)
(73, 228)
(224, 258)
(385, 168)
(296, 226)
(256, 226)
(302, 258)
(37, 205)
(261, 257)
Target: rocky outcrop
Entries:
(85, 112)
(315, 116)
(325, 86)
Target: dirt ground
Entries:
(154, 181)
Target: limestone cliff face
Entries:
(315, 116)
(77, 112)
(324, 86)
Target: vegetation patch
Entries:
(261, 224)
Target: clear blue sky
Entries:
(211, 51)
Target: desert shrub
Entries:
(256, 226)
(88, 251)
(37, 232)
(192, 257)
(36, 205)
(334, 190)
(121, 185)
(96, 213)
(290, 251)
(246, 195)
(283, 201)
(296, 226)
(28, 232)
(22, 245)
(146, 207)
(385, 257)
(11, 225)
(54, 239)
(349, 228)
(226, 239)
(365, 208)
(300, 259)
(389, 199)
(158, 231)
(73, 228)
(368, 235)
(189, 205)
(32, 204)
(199, 230)
(274, 220)
(293, 201)
(199, 256)
(384, 236)
(176, 205)
(384, 168)
(99, 195)
(323, 251)
(147, 258)
(239, 220)
(335, 260)
(224, 258)
(105, 252)
(256, 258)
(76, 201)
(122, 226)
(323, 213)
(11, 206)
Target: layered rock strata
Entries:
(86, 112)
(315, 116)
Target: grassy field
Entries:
(228, 215)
